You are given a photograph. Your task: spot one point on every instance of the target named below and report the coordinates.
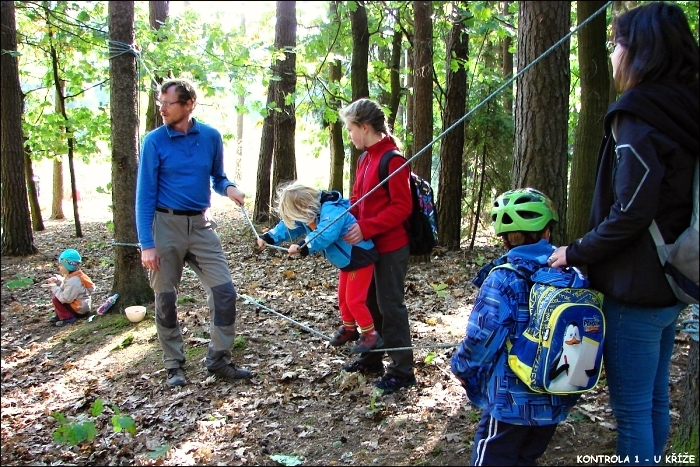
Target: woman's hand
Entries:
(558, 258)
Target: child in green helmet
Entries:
(71, 291)
(516, 423)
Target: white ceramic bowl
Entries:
(135, 313)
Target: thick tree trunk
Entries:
(685, 440)
(335, 132)
(284, 167)
(57, 189)
(359, 81)
(593, 68)
(157, 14)
(423, 87)
(130, 279)
(32, 191)
(17, 238)
(449, 195)
(263, 189)
(542, 104)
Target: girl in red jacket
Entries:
(380, 217)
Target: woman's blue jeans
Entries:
(637, 359)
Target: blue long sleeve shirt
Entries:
(178, 171)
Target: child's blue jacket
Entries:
(501, 313)
(329, 241)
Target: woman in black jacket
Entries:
(644, 175)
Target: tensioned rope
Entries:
(118, 48)
(440, 136)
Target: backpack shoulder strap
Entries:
(511, 267)
(384, 165)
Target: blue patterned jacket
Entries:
(501, 313)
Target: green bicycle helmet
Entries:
(522, 210)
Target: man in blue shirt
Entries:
(181, 162)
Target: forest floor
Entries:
(299, 409)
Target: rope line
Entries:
(256, 233)
(137, 245)
(313, 331)
(467, 115)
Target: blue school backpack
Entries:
(422, 223)
(561, 350)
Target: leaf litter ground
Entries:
(299, 407)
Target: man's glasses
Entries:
(164, 104)
(610, 45)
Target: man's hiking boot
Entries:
(176, 377)
(367, 342)
(342, 335)
(358, 367)
(391, 383)
(231, 373)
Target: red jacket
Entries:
(381, 214)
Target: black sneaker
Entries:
(357, 367)
(176, 377)
(391, 383)
(342, 336)
(53, 319)
(231, 373)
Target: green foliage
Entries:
(440, 289)
(186, 299)
(158, 451)
(430, 358)
(20, 281)
(126, 342)
(240, 343)
(74, 432)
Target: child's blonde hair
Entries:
(297, 202)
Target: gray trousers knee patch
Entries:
(166, 311)
(224, 296)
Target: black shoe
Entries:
(176, 377)
(231, 373)
(53, 319)
(391, 383)
(342, 336)
(358, 367)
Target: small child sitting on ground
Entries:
(308, 211)
(71, 291)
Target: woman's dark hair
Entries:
(185, 89)
(657, 45)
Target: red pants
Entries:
(352, 296)
(63, 310)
